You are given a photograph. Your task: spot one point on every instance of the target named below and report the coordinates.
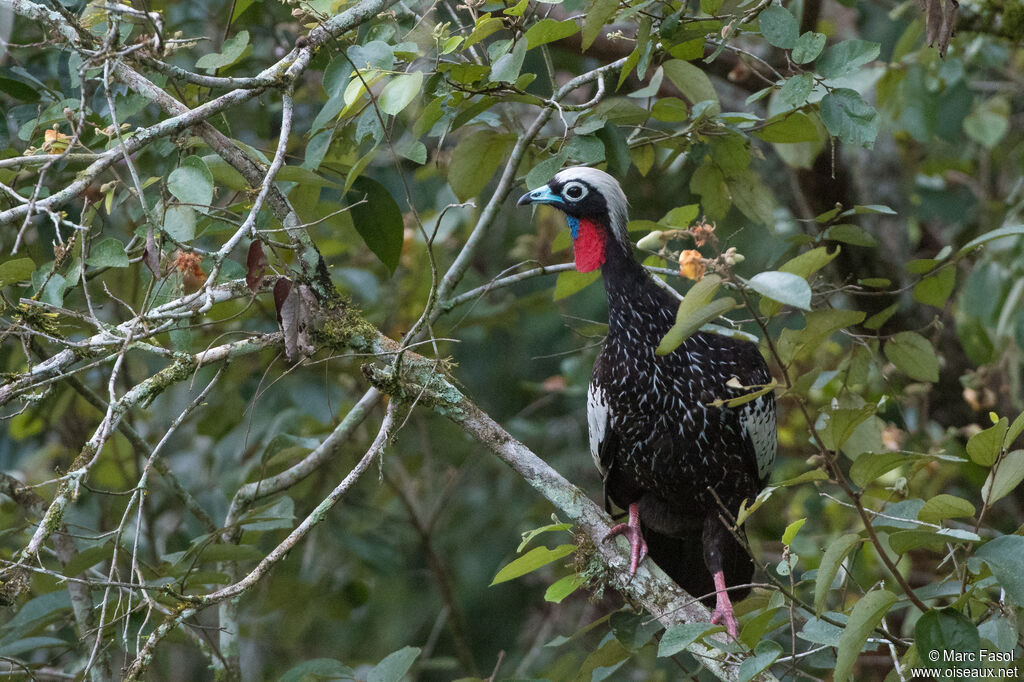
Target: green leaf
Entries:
(984, 447)
(914, 356)
(599, 14)
(765, 654)
(795, 90)
(683, 216)
(905, 541)
(108, 253)
(871, 465)
(692, 82)
(791, 530)
(531, 561)
(318, 669)
(400, 92)
(943, 506)
(711, 7)
(652, 88)
(414, 150)
(803, 265)
(685, 327)
(1007, 231)
(12, 647)
(709, 183)
(191, 182)
(232, 50)
(87, 558)
(180, 223)
(224, 174)
(751, 196)
(377, 54)
(548, 31)
(378, 220)
(33, 613)
(936, 289)
(678, 637)
(1005, 556)
(486, 25)
(531, 534)
(16, 270)
(616, 149)
(571, 282)
(670, 110)
(562, 588)
(474, 161)
(696, 299)
(19, 90)
(1005, 478)
(846, 57)
(394, 666)
(942, 631)
(835, 554)
(866, 615)
(633, 630)
(779, 27)
(850, 234)
(784, 287)
(842, 422)
(807, 48)
(789, 128)
(988, 122)
(546, 169)
(507, 67)
(849, 117)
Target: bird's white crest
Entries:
(609, 188)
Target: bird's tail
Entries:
(682, 558)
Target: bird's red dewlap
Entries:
(588, 246)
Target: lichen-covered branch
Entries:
(651, 589)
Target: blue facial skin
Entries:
(574, 225)
(544, 195)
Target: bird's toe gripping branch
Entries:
(637, 544)
(723, 614)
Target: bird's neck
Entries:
(637, 307)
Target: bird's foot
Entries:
(723, 613)
(631, 530)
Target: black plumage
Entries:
(664, 450)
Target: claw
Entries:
(631, 530)
(723, 613)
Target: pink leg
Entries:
(637, 545)
(723, 614)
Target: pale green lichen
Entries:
(342, 326)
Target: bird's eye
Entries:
(574, 191)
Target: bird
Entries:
(671, 455)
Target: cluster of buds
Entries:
(190, 267)
(692, 263)
(55, 141)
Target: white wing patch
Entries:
(597, 420)
(758, 419)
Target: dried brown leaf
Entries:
(282, 288)
(255, 266)
(151, 254)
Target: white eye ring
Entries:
(574, 191)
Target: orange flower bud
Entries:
(691, 264)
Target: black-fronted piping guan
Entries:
(665, 449)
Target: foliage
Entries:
(247, 243)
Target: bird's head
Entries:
(595, 207)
